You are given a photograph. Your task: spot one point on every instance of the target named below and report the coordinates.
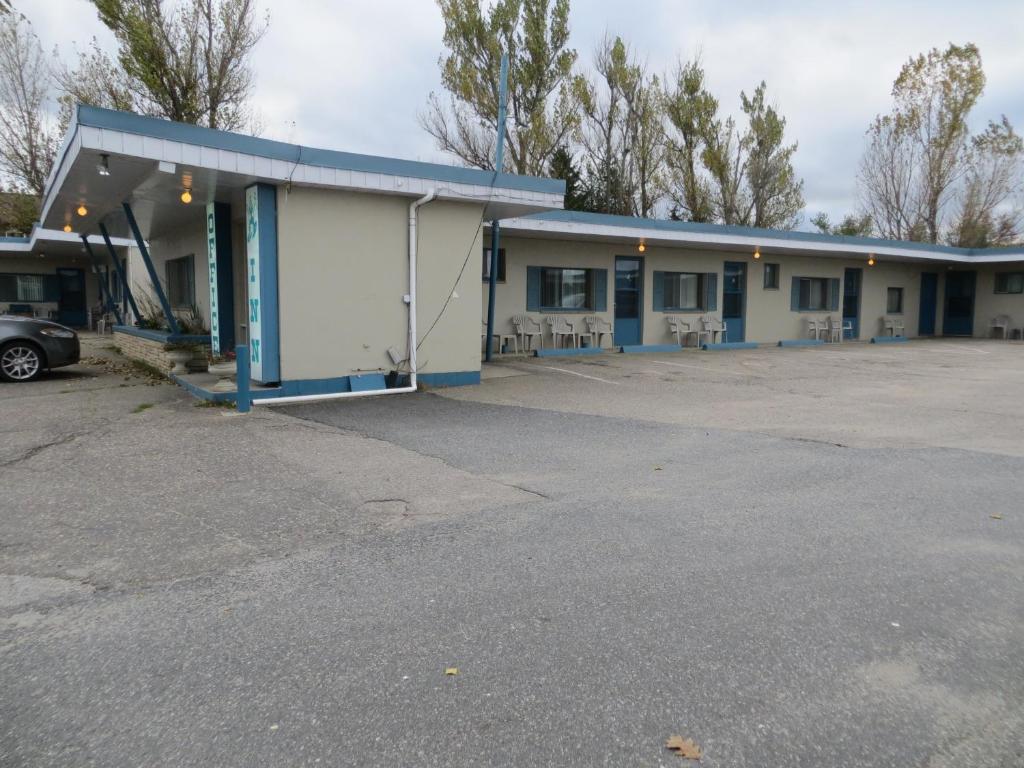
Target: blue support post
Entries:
(172, 321)
(244, 401)
(120, 271)
(499, 157)
(104, 289)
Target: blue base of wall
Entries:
(801, 342)
(454, 379)
(631, 348)
(730, 345)
(360, 383)
(888, 339)
(569, 352)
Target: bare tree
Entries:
(987, 210)
(918, 155)
(187, 62)
(542, 109)
(622, 133)
(28, 140)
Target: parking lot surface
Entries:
(798, 557)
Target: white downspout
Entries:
(411, 300)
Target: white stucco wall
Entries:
(768, 315)
(343, 270)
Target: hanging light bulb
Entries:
(871, 261)
(103, 166)
(186, 196)
(67, 227)
(757, 253)
(641, 247)
(82, 210)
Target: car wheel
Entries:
(20, 361)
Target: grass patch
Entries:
(147, 369)
(142, 407)
(215, 404)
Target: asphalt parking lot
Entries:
(799, 557)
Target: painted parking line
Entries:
(708, 370)
(581, 375)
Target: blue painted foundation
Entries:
(888, 339)
(730, 345)
(801, 342)
(633, 348)
(361, 383)
(569, 352)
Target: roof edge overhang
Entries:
(102, 131)
(573, 224)
(40, 238)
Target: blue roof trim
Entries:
(668, 225)
(14, 239)
(96, 117)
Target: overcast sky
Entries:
(353, 74)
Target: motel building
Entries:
(342, 274)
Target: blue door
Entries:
(71, 297)
(734, 303)
(958, 317)
(929, 302)
(629, 284)
(851, 302)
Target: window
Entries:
(813, 294)
(487, 265)
(771, 277)
(1009, 282)
(894, 301)
(566, 288)
(683, 291)
(181, 289)
(27, 288)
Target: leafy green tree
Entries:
(18, 212)
(852, 225)
(691, 111)
(922, 176)
(187, 62)
(776, 195)
(722, 173)
(563, 166)
(542, 105)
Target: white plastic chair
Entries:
(837, 328)
(1000, 323)
(527, 329)
(682, 329)
(816, 327)
(710, 326)
(598, 328)
(562, 328)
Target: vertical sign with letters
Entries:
(261, 281)
(211, 254)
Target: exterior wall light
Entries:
(757, 253)
(186, 196)
(82, 210)
(103, 166)
(641, 247)
(871, 261)
(67, 227)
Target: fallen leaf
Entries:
(996, 517)
(684, 747)
(657, 469)
(451, 670)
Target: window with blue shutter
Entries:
(566, 289)
(711, 292)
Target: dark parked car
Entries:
(28, 347)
